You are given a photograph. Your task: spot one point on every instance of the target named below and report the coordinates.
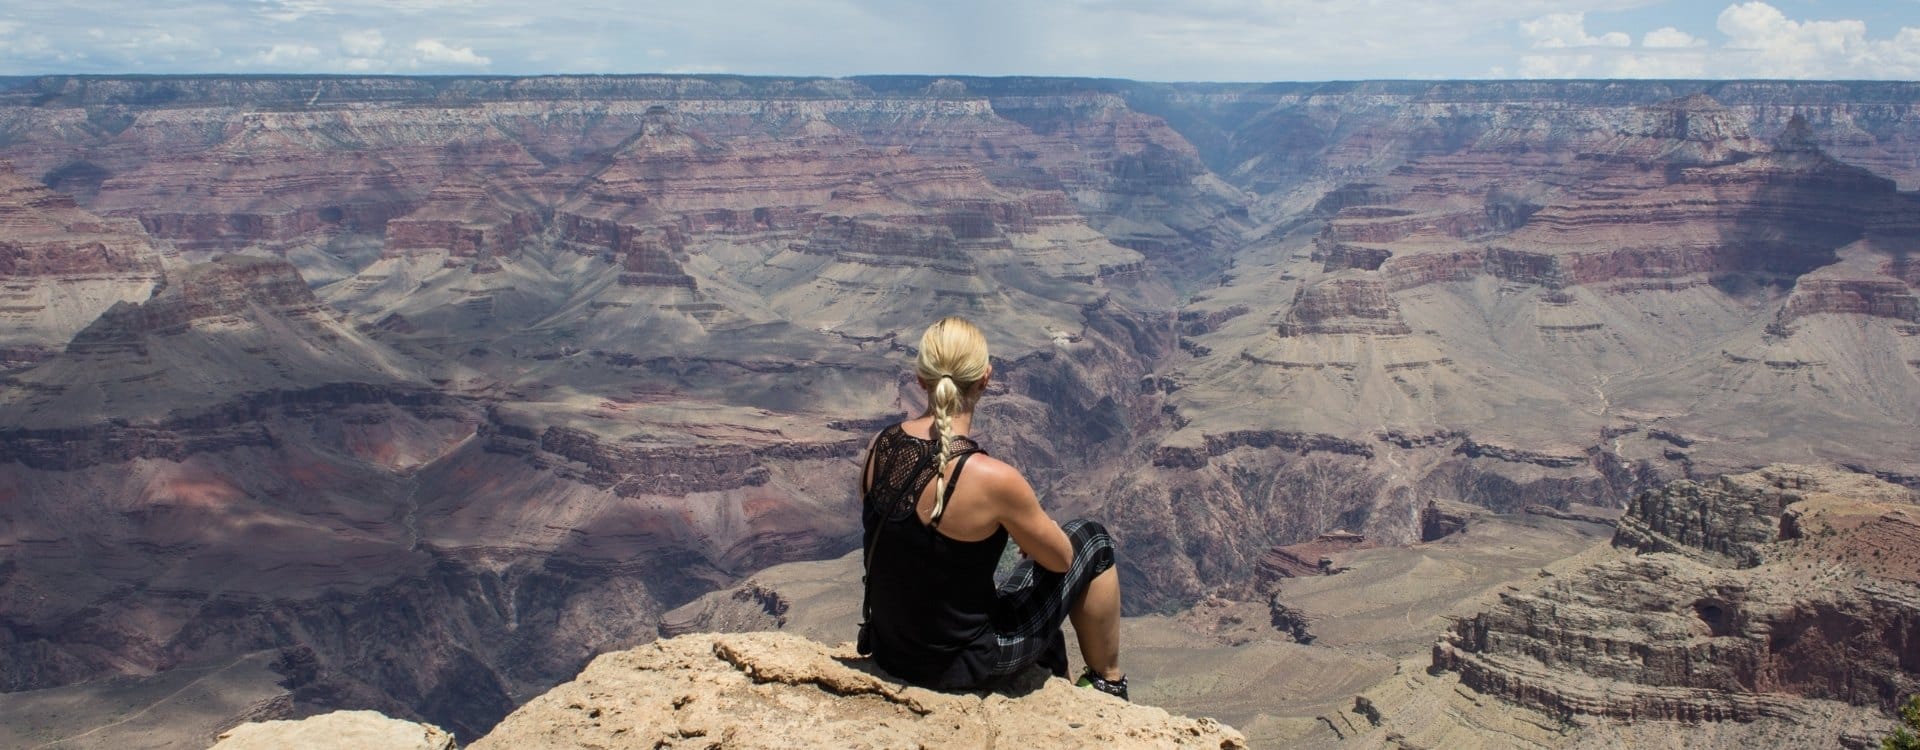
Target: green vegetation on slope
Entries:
(1904, 737)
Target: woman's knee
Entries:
(1090, 539)
(1081, 529)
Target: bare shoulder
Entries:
(999, 477)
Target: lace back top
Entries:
(901, 467)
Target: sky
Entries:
(1155, 40)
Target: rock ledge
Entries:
(341, 729)
(780, 690)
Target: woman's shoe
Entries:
(1115, 688)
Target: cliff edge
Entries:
(780, 690)
(765, 690)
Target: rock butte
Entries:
(426, 391)
(1746, 595)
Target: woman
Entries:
(938, 512)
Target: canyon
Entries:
(415, 394)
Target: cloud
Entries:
(1567, 31)
(1234, 40)
(1654, 65)
(1777, 46)
(287, 11)
(1556, 66)
(1144, 39)
(1760, 41)
(363, 43)
(24, 46)
(1668, 37)
(284, 56)
(433, 52)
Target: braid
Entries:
(945, 401)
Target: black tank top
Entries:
(931, 595)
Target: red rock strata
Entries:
(468, 217)
(60, 266)
(1739, 598)
(1318, 557)
(1879, 298)
(1344, 305)
(45, 234)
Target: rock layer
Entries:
(340, 729)
(1740, 599)
(61, 266)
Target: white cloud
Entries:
(1669, 37)
(28, 46)
(433, 52)
(1568, 31)
(285, 56)
(1776, 46)
(286, 11)
(1557, 66)
(24, 46)
(1760, 42)
(1656, 65)
(363, 42)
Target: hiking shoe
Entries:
(1115, 688)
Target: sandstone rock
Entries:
(777, 690)
(1741, 518)
(214, 345)
(1437, 522)
(1321, 556)
(1344, 306)
(341, 730)
(1745, 599)
(751, 606)
(1607, 518)
(60, 267)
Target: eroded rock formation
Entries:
(340, 730)
(60, 267)
(1739, 599)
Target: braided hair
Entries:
(953, 358)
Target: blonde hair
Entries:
(953, 357)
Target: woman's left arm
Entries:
(1018, 509)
